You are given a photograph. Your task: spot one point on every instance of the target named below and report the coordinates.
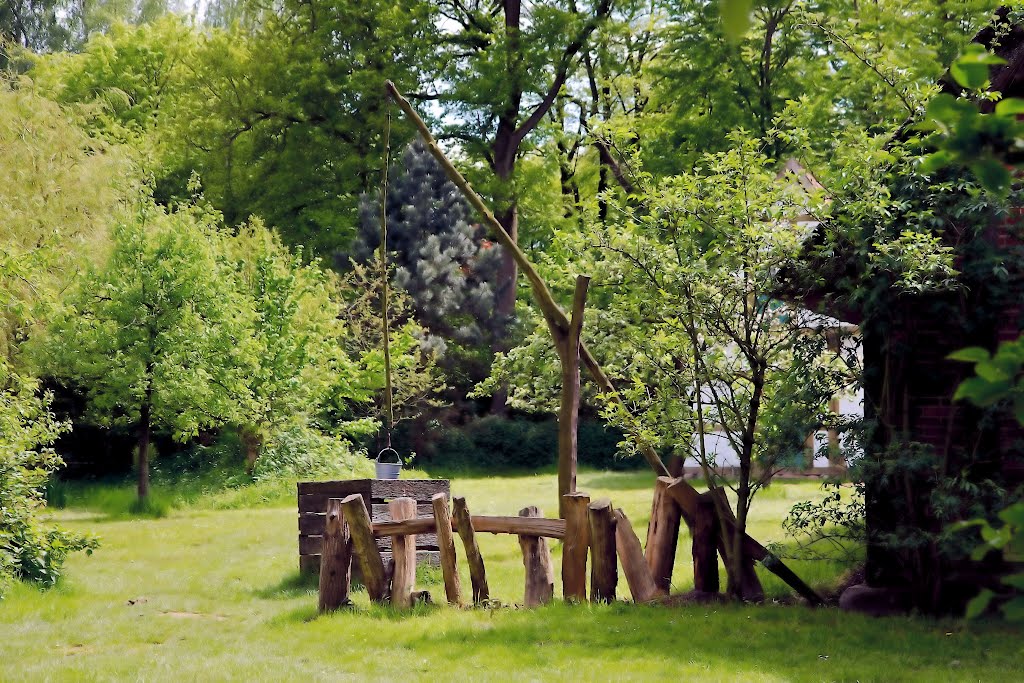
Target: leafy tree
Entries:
(442, 260)
(502, 70)
(157, 337)
(294, 333)
(58, 191)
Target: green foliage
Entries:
(440, 259)
(30, 549)
(496, 444)
(300, 452)
(998, 377)
(158, 336)
(58, 192)
(966, 136)
(1007, 539)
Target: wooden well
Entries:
(313, 496)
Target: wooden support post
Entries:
(446, 546)
(540, 573)
(477, 573)
(335, 560)
(705, 546)
(364, 547)
(567, 344)
(403, 550)
(662, 534)
(750, 584)
(604, 572)
(634, 566)
(575, 547)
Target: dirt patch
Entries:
(194, 615)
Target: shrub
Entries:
(498, 443)
(29, 549)
(301, 451)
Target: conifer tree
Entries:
(441, 259)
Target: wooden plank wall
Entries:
(312, 511)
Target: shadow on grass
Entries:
(621, 481)
(293, 585)
(729, 643)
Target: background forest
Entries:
(190, 211)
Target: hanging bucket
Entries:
(388, 470)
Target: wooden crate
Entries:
(313, 496)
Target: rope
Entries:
(388, 392)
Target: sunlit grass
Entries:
(211, 594)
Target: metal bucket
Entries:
(388, 470)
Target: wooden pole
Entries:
(568, 346)
(689, 501)
(364, 547)
(477, 572)
(705, 546)
(604, 571)
(750, 584)
(520, 526)
(634, 566)
(540, 573)
(575, 547)
(446, 546)
(335, 560)
(403, 550)
(662, 534)
(556, 319)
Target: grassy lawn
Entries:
(207, 593)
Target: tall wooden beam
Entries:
(477, 572)
(364, 547)
(634, 566)
(335, 560)
(662, 534)
(403, 550)
(575, 547)
(540, 573)
(604, 570)
(568, 346)
(446, 548)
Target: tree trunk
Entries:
(145, 418)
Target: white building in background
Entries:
(841, 336)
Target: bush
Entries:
(498, 443)
(301, 451)
(29, 549)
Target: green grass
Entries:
(206, 593)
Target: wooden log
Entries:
(446, 546)
(477, 572)
(575, 547)
(540, 572)
(689, 500)
(364, 548)
(750, 584)
(662, 534)
(604, 574)
(705, 546)
(336, 560)
(634, 566)
(518, 526)
(567, 344)
(403, 550)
